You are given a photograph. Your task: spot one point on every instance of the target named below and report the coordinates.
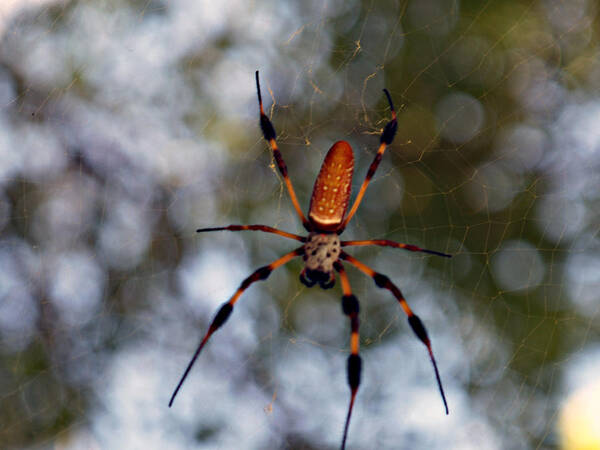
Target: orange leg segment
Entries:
(224, 312)
(414, 321)
(270, 136)
(264, 228)
(387, 136)
(388, 243)
(350, 306)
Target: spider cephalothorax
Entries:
(321, 251)
(322, 248)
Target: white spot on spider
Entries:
(321, 251)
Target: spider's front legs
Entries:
(414, 321)
(224, 312)
(350, 307)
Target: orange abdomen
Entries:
(333, 186)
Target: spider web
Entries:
(127, 125)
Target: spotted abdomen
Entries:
(333, 186)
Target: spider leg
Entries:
(387, 136)
(415, 323)
(350, 307)
(264, 228)
(270, 136)
(388, 243)
(224, 312)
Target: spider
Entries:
(322, 250)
